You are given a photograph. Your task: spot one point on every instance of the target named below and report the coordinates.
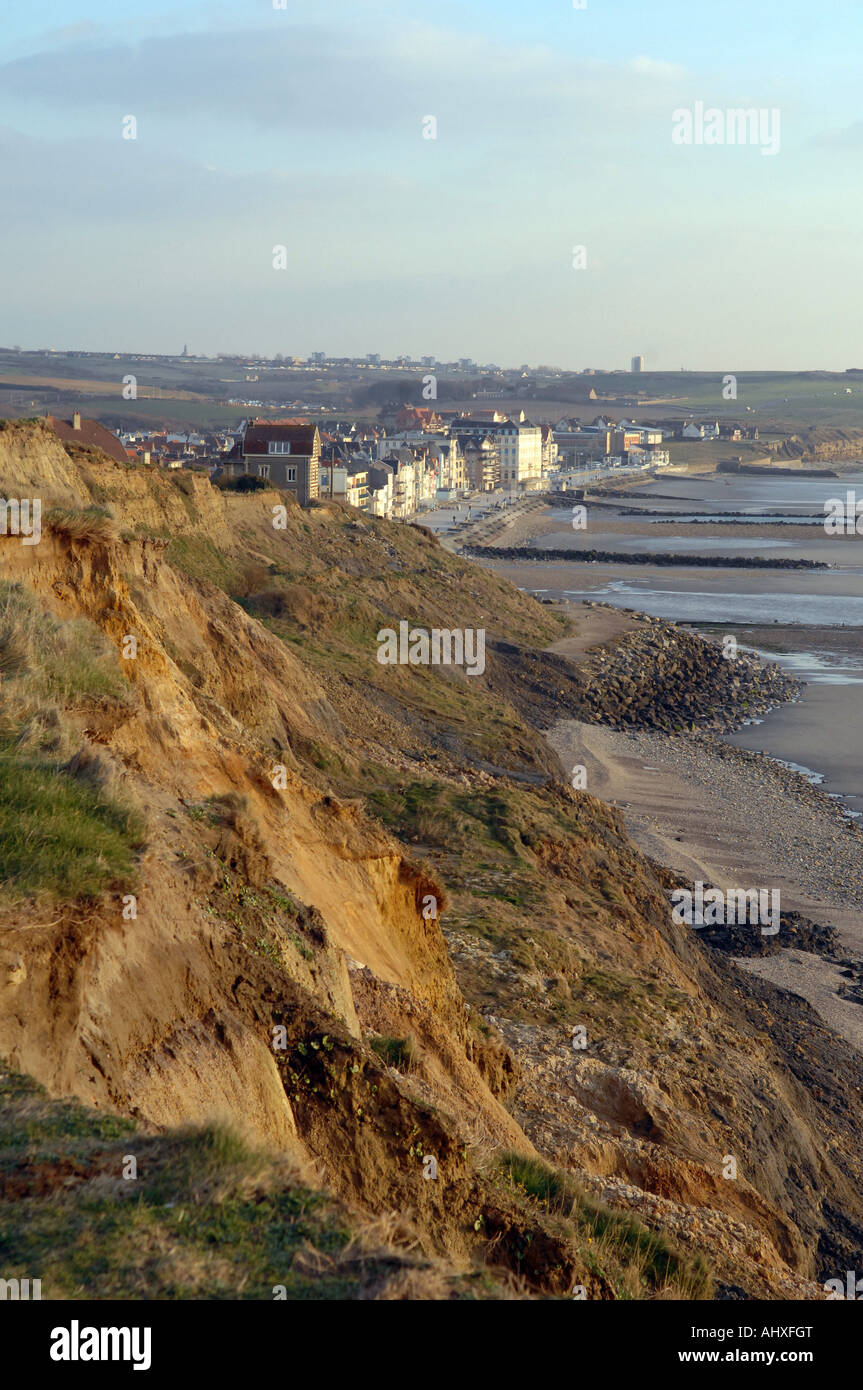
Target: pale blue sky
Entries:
(302, 127)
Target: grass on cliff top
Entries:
(206, 1217)
(59, 834)
(341, 576)
(333, 578)
(638, 1262)
(62, 832)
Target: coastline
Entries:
(705, 809)
(728, 810)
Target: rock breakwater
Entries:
(659, 676)
(618, 557)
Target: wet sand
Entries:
(705, 817)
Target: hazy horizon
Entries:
(259, 127)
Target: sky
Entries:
(557, 127)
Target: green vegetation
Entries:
(506, 822)
(82, 523)
(638, 1262)
(206, 813)
(333, 582)
(31, 1124)
(207, 1216)
(246, 482)
(59, 834)
(394, 1052)
(201, 559)
(62, 832)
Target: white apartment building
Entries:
(425, 482)
(405, 439)
(520, 449)
(332, 477)
(404, 491)
(448, 462)
(549, 449)
(381, 490)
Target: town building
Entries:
(88, 434)
(549, 449)
(587, 444)
(357, 489)
(696, 431)
(287, 454)
(333, 481)
(381, 478)
(481, 463)
(520, 453)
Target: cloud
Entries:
(304, 128)
(68, 33)
(356, 79)
(652, 67)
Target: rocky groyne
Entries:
(621, 557)
(659, 676)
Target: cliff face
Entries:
(821, 442)
(382, 865)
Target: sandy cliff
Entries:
(300, 806)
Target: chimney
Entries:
(76, 420)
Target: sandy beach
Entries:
(694, 806)
(733, 819)
(727, 811)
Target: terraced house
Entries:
(287, 454)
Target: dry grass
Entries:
(83, 525)
(44, 659)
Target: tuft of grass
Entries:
(82, 523)
(31, 1124)
(202, 1162)
(268, 950)
(59, 833)
(207, 1216)
(540, 1181)
(638, 1261)
(283, 900)
(43, 658)
(394, 1052)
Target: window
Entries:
(279, 446)
(263, 470)
(292, 475)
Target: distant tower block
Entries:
(638, 364)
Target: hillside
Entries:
(319, 919)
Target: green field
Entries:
(784, 400)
